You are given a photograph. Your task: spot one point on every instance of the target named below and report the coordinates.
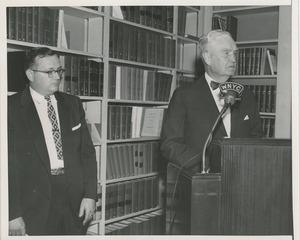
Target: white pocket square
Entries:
(76, 127)
(246, 117)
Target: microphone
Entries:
(231, 92)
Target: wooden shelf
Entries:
(267, 114)
(254, 76)
(90, 98)
(132, 215)
(256, 80)
(142, 139)
(116, 180)
(246, 10)
(187, 40)
(264, 42)
(144, 65)
(14, 45)
(137, 102)
(80, 12)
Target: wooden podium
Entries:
(247, 192)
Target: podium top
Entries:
(241, 149)
(253, 141)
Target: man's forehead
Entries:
(232, 48)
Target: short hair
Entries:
(210, 36)
(37, 52)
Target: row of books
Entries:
(183, 80)
(151, 223)
(159, 17)
(131, 159)
(130, 83)
(265, 96)
(256, 61)
(140, 45)
(268, 126)
(126, 122)
(226, 23)
(33, 24)
(124, 198)
(82, 77)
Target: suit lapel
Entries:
(212, 107)
(34, 127)
(235, 116)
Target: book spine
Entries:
(170, 19)
(121, 199)
(19, 24)
(107, 202)
(74, 75)
(101, 79)
(35, 24)
(41, 24)
(125, 42)
(11, 22)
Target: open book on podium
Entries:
(247, 192)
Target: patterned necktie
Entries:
(55, 130)
(214, 85)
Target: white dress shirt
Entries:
(220, 103)
(41, 106)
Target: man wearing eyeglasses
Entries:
(51, 159)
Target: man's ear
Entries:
(206, 58)
(30, 75)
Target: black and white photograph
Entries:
(149, 120)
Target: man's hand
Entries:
(17, 227)
(88, 208)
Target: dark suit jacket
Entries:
(29, 164)
(190, 117)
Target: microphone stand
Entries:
(210, 135)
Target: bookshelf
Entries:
(256, 30)
(123, 62)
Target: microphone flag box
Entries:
(232, 87)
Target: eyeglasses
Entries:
(51, 73)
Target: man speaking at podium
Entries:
(195, 107)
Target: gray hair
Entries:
(210, 36)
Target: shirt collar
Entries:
(38, 98)
(208, 80)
